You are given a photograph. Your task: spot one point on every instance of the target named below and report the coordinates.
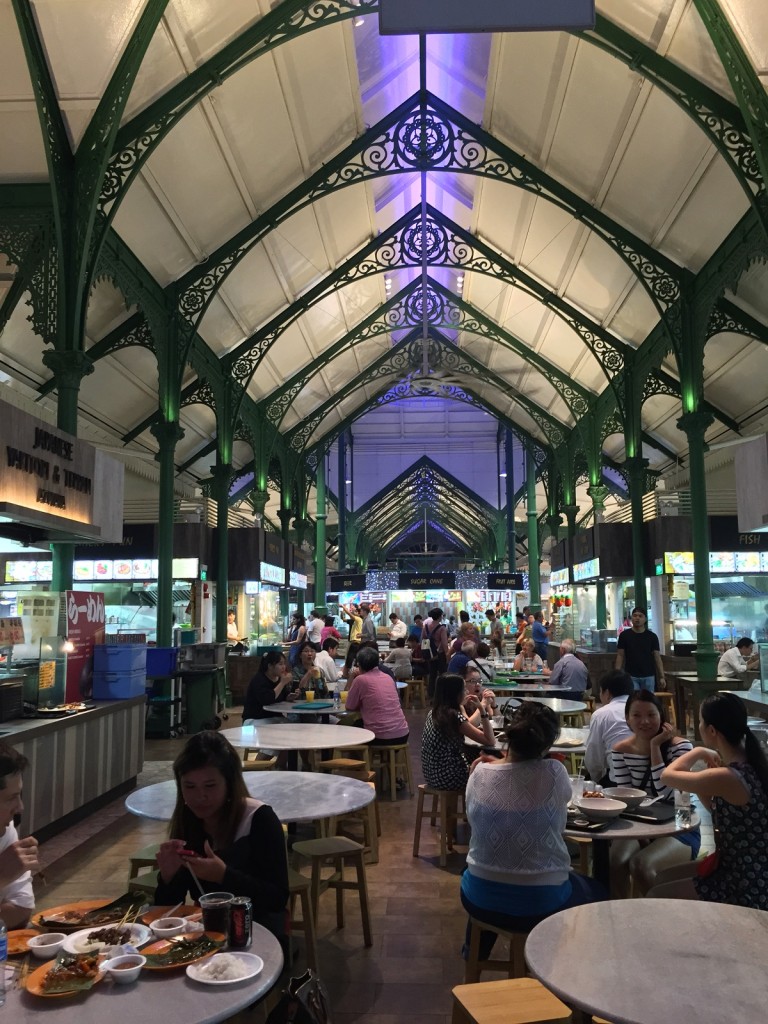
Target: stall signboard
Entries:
(272, 573)
(11, 631)
(347, 581)
(426, 581)
(678, 563)
(28, 571)
(560, 577)
(586, 570)
(505, 581)
(42, 614)
(297, 580)
(85, 627)
(274, 549)
(410, 17)
(251, 587)
(748, 561)
(51, 480)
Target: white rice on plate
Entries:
(223, 967)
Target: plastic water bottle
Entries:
(3, 958)
(682, 810)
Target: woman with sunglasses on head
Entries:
(230, 841)
(639, 761)
(512, 883)
(734, 785)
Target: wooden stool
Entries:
(368, 816)
(439, 814)
(519, 1001)
(668, 700)
(388, 760)
(146, 882)
(573, 720)
(340, 850)
(416, 685)
(257, 761)
(144, 858)
(513, 966)
(298, 885)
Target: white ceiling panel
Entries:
(161, 68)
(208, 25)
(598, 277)
(146, 227)
(635, 315)
(25, 159)
(220, 328)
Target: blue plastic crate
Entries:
(120, 658)
(118, 685)
(161, 661)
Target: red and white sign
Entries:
(85, 627)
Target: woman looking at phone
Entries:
(639, 761)
(734, 785)
(230, 841)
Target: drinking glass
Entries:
(344, 696)
(310, 695)
(215, 907)
(577, 786)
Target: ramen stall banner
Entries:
(85, 627)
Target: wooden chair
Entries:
(444, 812)
(340, 851)
(416, 685)
(298, 886)
(518, 1001)
(391, 761)
(513, 966)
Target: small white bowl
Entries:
(167, 927)
(631, 797)
(124, 969)
(45, 947)
(600, 810)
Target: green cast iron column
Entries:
(342, 492)
(533, 532)
(168, 435)
(509, 468)
(695, 425)
(570, 512)
(600, 609)
(320, 586)
(68, 370)
(285, 515)
(636, 468)
(221, 475)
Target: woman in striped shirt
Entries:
(638, 761)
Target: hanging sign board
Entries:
(407, 17)
(505, 581)
(426, 581)
(53, 481)
(11, 631)
(346, 581)
(85, 627)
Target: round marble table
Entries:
(558, 704)
(571, 741)
(293, 796)
(297, 736)
(706, 960)
(173, 997)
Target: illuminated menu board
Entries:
(586, 570)
(678, 563)
(28, 571)
(722, 561)
(85, 570)
(297, 580)
(272, 573)
(560, 577)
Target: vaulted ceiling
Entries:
(333, 220)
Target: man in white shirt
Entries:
(397, 629)
(325, 660)
(569, 673)
(18, 857)
(608, 724)
(315, 624)
(735, 663)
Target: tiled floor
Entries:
(417, 919)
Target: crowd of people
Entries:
(518, 867)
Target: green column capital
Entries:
(167, 434)
(259, 499)
(285, 515)
(695, 423)
(598, 493)
(68, 368)
(554, 522)
(570, 512)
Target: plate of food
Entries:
(17, 940)
(181, 950)
(97, 940)
(65, 976)
(191, 913)
(73, 917)
(568, 742)
(226, 968)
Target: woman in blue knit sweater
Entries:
(518, 866)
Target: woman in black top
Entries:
(232, 842)
(271, 683)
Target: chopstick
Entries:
(22, 973)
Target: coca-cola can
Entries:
(240, 918)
